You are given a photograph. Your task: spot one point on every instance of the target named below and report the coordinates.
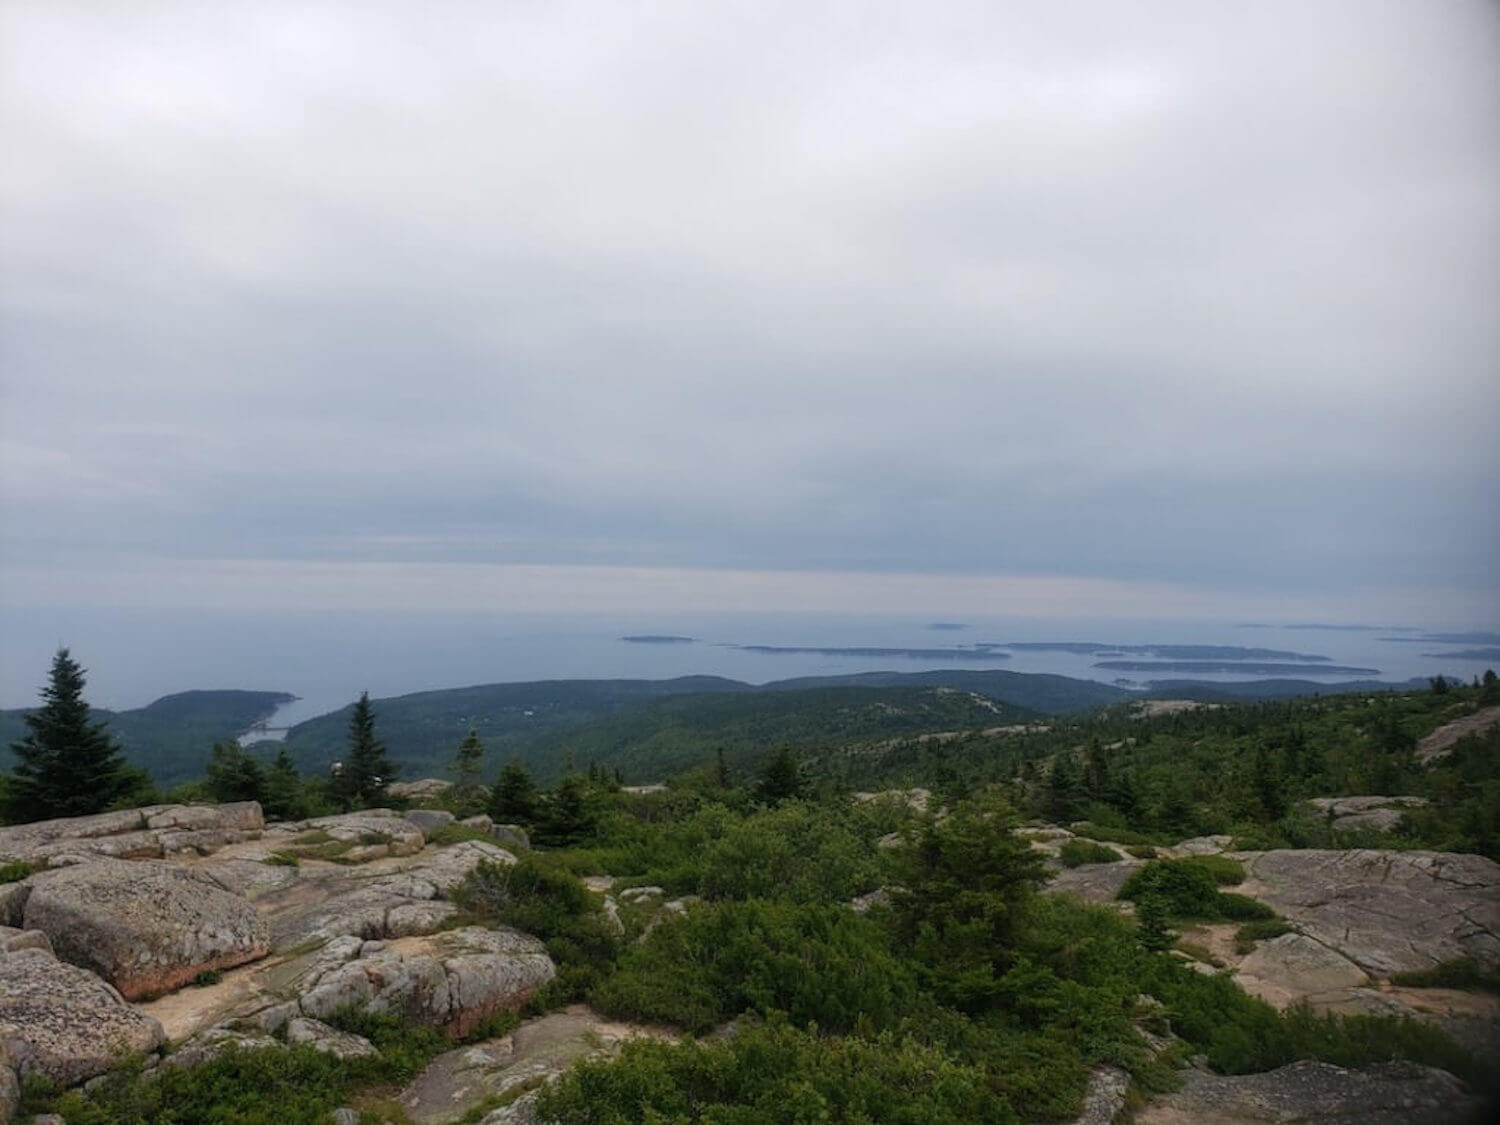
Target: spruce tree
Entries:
(782, 779)
(366, 770)
(68, 766)
(467, 764)
(234, 774)
(514, 799)
(283, 798)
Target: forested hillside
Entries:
(170, 737)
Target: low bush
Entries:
(1076, 853)
(541, 896)
(1464, 973)
(823, 964)
(1189, 888)
(1251, 932)
(14, 872)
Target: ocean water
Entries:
(327, 659)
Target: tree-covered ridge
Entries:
(170, 737)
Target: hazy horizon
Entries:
(1175, 312)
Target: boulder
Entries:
(10, 1089)
(1389, 1094)
(1093, 882)
(452, 980)
(146, 927)
(535, 1052)
(64, 1023)
(428, 819)
(214, 1042)
(330, 1040)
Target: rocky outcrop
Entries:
(1441, 742)
(1294, 967)
(452, 980)
(1105, 1096)
(1386, 911)
(1389, 1094)
(146, 833)
(146, 927)
(1365, 814)
(64, 1023)
(349, 838)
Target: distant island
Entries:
(1479, 638)
(1467, 654)
(658, 639)
(1165, 652)
(947, 626)
(978, 652)
(1232, 666)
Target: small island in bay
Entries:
(658, 639)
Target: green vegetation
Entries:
(67, 765)
(361, 778)
(14, 872)
(1076, 853)
(1189, 889)
(1264, 930)
(1464, 973)
(170, 736)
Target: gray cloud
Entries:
(1186, 293)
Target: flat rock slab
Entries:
(63, 1022)
(351, 837)
(146, 927)
(1390, 1094)
(1386, 911)
(1294, 967)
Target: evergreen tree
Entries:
(234, 774)
(514, 798)
(282, 792)
(467, 764)
(1151, 913)
(67, 766)
(781, 780)
(366, 771)
(721, 772)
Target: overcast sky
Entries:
(1192, 306)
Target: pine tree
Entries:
(366, 771)
(1151, 914)
(68, 766)
(467, 764)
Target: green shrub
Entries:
(1464, 973)
(455, 833)
(14, 872)
(1224, 871)
(541, 896)
(207, 978)
(1251, 932)
(1189, 888)
(1076, 853)
(816, 963)
(777, 1075)
(284, 859)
